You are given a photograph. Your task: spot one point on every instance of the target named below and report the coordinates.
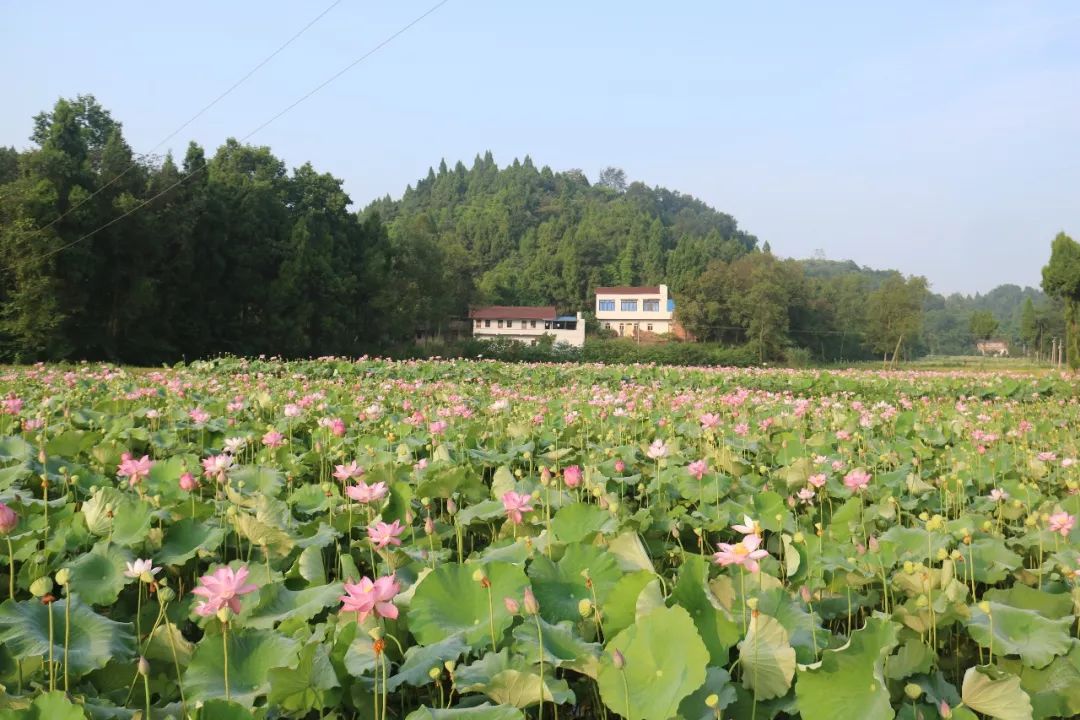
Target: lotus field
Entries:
(438, 539)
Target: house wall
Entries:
(629, 322)
(523, 331)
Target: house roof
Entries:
(628, 290)
(513, 312)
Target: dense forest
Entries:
(107, 254)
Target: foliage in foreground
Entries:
(256, 539)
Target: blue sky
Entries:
(941, 139)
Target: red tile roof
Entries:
(513, 312)
(627, 290)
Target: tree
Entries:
(613, 178)
(983, 324)
(895, 313)
(1061, 279)
(1029, 325)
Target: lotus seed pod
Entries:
(166, 594)
(450, 665)
(585, 607)
(434, 673)
(712, 700)
(913, 691)
(478, 575)
(63, 577)
(909, 567)
(752, 603)
(224, 614)
(985, 607)
(41, 587)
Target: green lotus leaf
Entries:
(94, 641)
(562, 646)
(1051, 605)
(620, 609)
(47, 706)
(912, 658)
(252, 653)
(277, 604)
(991, 561)
(714, 623)
(511, 680)
(1054, 689)
(848, 681)
(630, 553)
(420, 659)
(264, 534)
(310, 685)
(183, 540)
(1016, 631)
(767, 658)
(218, 709)
(167, 640)
(804, 633)
(559, 587)
(718, 683)
(484, 511)
(477, 712)
(121, 517)
(98, 576)
(663, 660)
(257, 480)
(576, 522)
(449, 601)
(991, 691)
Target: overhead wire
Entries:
(389, 39)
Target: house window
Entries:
(651, 306)
(487, 323)
(628, 305)
(534, 323)
(622, 328)
(509, 323)
(500, 323)
(607, 326)
(607, 306)
(649, 327)
(478, 322)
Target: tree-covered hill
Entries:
(108, 254)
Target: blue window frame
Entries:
(607, 306)
(628, 305)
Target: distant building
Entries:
(527, 324)
(997, 348)
(633, 310)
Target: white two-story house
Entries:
(527, 324)
(631, 310)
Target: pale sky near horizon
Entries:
(940, 139)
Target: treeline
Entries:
(234, 253)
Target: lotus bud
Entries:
(451, 506)
(532, 607)
(41, 587)
(944, 710)
(512, 605)
(618, 660)
(143, 666)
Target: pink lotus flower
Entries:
(12, 405)
(438, 427)
(710, 421)
(998, 495)
(273, 439)
(817, 480)
(8, 519)
(134, 470)
(657, 449)
(348, 472)
(749, 526)
(382, 534)
(745, 553)
(697, 469)
(364, 493)
(807, 495)
(515, 505)
(216, 466)
(1061, 523)
(199, 416)
(857, 480)
(222, 589)
(620, 466)
(367, 597)
(188, 482)
(571, 476)
(742, 429)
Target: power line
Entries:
(196, 116)
(304, 97)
